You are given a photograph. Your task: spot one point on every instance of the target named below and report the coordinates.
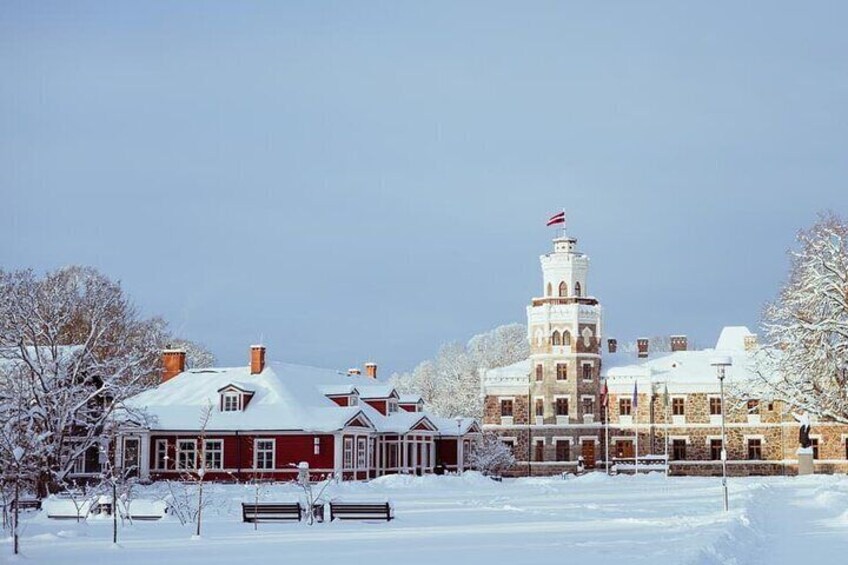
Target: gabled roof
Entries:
(238, 386)
(377, 392)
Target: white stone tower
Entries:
(564, 327)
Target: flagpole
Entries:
(667, 428)
(636, 422)
(606, 420)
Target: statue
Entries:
(804, 430)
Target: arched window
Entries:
(550, 289)
(563, 289)
(555, 338)
(577, 289)
(566, 338)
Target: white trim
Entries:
(160, 465)
(708, 439)
(685, 438)
(537, 439)
(180, 451)
(256, 453)
(760, 437)
(595, 439)
(557, 439)
(206, 442)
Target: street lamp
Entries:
(459, 452)
(721, 364)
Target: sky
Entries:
(355, 181)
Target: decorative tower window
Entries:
(587, 336)
(577, 289)
(563, 289)
(555, 338)
(562, 371)
(540, 373)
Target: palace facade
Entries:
(663, 408)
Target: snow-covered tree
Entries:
(804, 356)
(450, 383)
(197, 355)
(72, 348)
(490, 455)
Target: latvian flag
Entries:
(605, 395)
(557, 219)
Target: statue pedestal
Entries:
(805, 460)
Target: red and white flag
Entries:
(557, 219)
(605, 395)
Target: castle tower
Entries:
(564, 327)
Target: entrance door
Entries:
(624, 449)
(588, 453)
(131, 456)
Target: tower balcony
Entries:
(564, 300)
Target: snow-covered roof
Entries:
(509, 379)
(284, 397)
(409, 399)
(683, 371)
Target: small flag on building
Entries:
(665, 396)
(557, 219)
(635, 396)
(605, 395)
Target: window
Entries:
(540, 373)
(317, 446)
(160, 460)
(715, 406)
(678, 449)
(755, 449)
(562, 371)
(678, 406)
(561, 406)
(539, 450)
(555, 338)
(361, 453)
(771, 406)
(186, 454)
(354, 400)
(588, 406)
(577, 289)
(815, 446)
(348, 452)
(587, 371)
(715, 449)
(392, 405)
(231, 402)
(753, 406)
(624, 405)
(264, 454)
(540, 406)
(506, 407)
(510, 443)
(563, 449)
(563, 289)
(213, 454)
(550, 289)
(566, 337)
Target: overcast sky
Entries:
(354, 181)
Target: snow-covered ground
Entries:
(471, 519)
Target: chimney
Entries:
(642, 347)
(371, 370)
(173, 361)
(257, 359)
(751, 342)
(612, 345)
(353, 371)
(679, 343)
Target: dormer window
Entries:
(354, 400)
(392, 405)
(231, 402)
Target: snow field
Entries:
(471, 519)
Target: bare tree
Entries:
(804, 357)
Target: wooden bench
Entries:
(360, 511)
(253, 512)
(26, 504)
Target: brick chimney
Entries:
(751, 342)
(257, 359)
(612, 345)
(371, 370)
(679, 343)
(642, 347)
(353, 371)
(173, 362)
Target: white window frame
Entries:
(257, 450)
(316, 442)
(583, 399)
(583, 365)
(160, 455)
(354, 400)
(180, 466)
(392, 406)
(206, 451)
(361, 452)
(231, 402)
(347, 460)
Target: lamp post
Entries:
(721, 364)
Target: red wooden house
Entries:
(262, 420)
